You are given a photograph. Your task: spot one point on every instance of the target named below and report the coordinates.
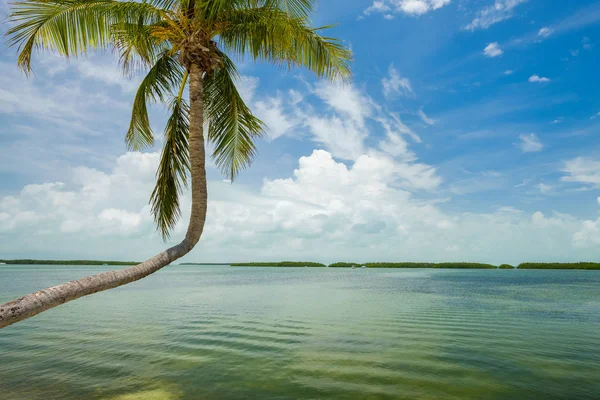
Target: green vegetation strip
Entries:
(429, 265)
(278, 264)
(581, 265)
(506, 266)
(67, 262)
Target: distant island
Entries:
(279, 264)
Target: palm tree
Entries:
(181, 44)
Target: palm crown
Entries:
(164, 39)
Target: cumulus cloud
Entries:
(493, 50)
(530, 143)
(327, 210)
(538, 79)
(407, 7)
(394, 84)
(499, 11)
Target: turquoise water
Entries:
(192, 332)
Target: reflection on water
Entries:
(234, 333)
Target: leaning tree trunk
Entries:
(35, 303)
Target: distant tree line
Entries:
(579, 265)
(279, 264)
(67, 262)
(428, 265)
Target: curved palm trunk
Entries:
(37, 302)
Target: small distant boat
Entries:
(364, 266)
(105, 265)
(354, 267)
(2, 263)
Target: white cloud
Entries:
(582, 170)
(425, 118)
(499, 11)
(538, 79)
(247, 86)
(326, 211)
(107, 73)
(595, 116)
(394, 84)
(545, 32)
(408, 7)
(493, 50)
(508, 72)
(544, 188)
(271, 111)
(378, 6)
(530, 143)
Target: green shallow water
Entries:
(192, 332)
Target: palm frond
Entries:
(174, 166)
(232, 127)
(162, 79)
(294, 8)
(172, 5)
(138, 48)
(71, 27)
(273, 35)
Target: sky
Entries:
(468, 132)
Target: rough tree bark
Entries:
(37, 302)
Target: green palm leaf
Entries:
(157, 85)
(232, 126)
(71, 27)
(172, 172)
(273, 35)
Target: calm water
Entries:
(260, 333)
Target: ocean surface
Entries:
(206, 332)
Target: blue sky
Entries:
(469, 131)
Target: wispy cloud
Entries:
(530, 143)
(425, 118)
(499, 11)
(544, 188)
(493, 50)
(582, 170)
(582, 18)
(395, 84)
